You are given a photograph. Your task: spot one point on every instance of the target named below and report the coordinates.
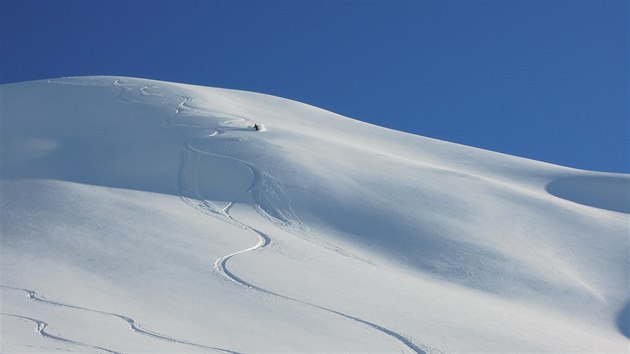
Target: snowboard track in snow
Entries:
(135, 94)
(41, 330)
(220, 264)
(132, 324)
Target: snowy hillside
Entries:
(146, 216)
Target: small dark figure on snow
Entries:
(256, 127)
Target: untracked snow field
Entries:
(147, 216)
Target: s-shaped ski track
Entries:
(133, 324)
(220, 264)
(41, 330)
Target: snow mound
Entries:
(140, 215)
(605, 192)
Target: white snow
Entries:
(147, 216)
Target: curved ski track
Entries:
(41, 330)
(133, 324)
(220, 264)
(206, 207)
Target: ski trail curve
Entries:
(41, 330)
(133, 324)
(207, 208)
(185, 105)
(220, 264)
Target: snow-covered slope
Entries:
(146, 216)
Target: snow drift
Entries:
(144, 216)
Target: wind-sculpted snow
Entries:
(605, 192)
(130, 200)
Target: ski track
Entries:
(133, 324)
(206, 207)
(220, 264)
(41, 330)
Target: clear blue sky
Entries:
(548, 80)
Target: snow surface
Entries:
(147, 216)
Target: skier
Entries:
(256, 127)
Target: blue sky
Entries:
(547, 80)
